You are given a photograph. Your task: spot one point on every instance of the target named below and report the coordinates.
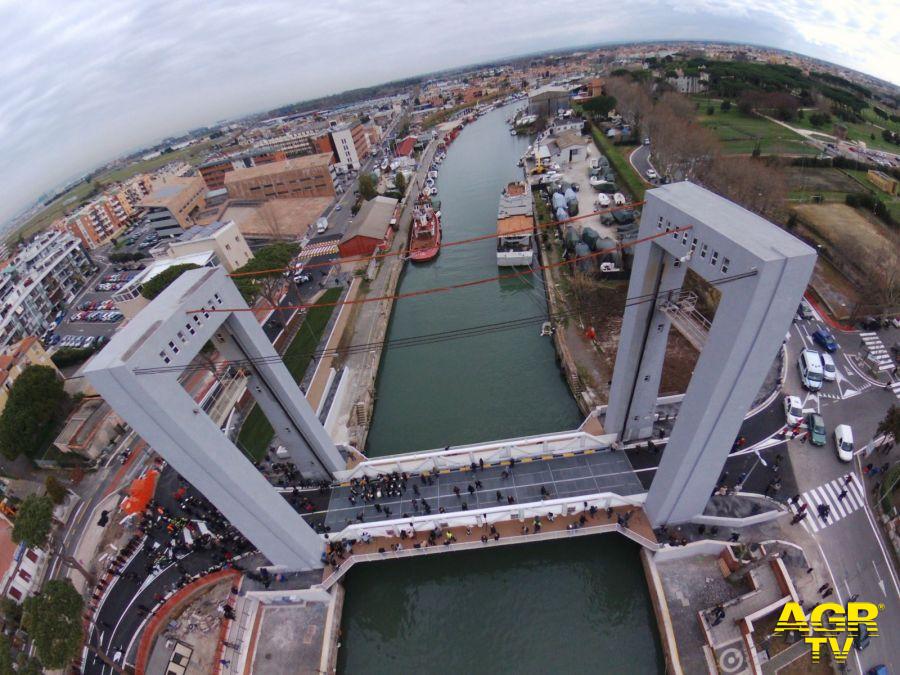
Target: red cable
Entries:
(440, 289)
(329, 263)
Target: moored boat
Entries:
(515, 222)
(425, 234)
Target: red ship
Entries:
(425, 235)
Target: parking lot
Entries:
(93, 314)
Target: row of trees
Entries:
(683, 149)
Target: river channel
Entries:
(570, 606)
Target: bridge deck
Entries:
(562, 476)
(510, 531)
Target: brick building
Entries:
(310, 176)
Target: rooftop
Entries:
(373, 218)
(203, 231)
(296, 164)
(754, 233)
(164, 192)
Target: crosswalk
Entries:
(319, 248)
(895, 387)
(828, 493)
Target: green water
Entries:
(572, 606)
(498, 385)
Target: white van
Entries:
(321, 225)
(810, 365)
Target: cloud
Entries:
(84, 81)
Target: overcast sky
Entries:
(84, 81)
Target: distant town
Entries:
(646, 291)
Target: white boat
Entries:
(515, 223)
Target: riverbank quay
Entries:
(349, 414)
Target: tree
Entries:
(37, 401)
(891, 423)
(161, 281)
(264, 274)
(367, 186)
(53, 621)
(55, 490)
(6, 657)
(400, 182)
(34, 520)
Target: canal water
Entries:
(571, 606)
(492, 386)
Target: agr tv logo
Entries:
(826, 622)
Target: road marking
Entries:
(828, 493)
(880, 580)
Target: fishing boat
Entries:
(515, 222)
(425, 234)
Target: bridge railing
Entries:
(531, 537)
(560, 506)
(460, 457)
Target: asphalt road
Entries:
(640, 160)
(857, 556)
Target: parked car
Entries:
(843, 441)
(338, 207)
(793, 410)
(825, 339)
(816, 426)
(804, 311)
(810, 365)
(870, 323)
(603, 200)
(651, 174)
(829, 372)
(861, 640)
(619, 199)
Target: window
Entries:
(694, 245)
(31, 555)
(173, 347)
(15, 593)
(190, 329)
(165, 358)
(715, 258)
(703, 250)
(725, 263)
(684, 238)
(659, 223)
(24, 575)
(181, 336)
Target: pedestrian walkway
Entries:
(558, 476)
(829, 493)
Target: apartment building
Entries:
(310, 176)
(39, 282)
(349, 143)
(221, 237)
(101, 219)
(215, 169)
(170, 208)
(292, 144)
(16, 358)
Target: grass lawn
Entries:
(256, 432)
(73, 198)
(892, 202)
(856, 131)
(740, 133)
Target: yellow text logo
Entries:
(826, 622)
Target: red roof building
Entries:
(405, 147)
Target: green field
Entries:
(856, 131)
(256, 432)
(739, 134)
(70, 200)
(892, 202)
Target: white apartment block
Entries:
(39, 282)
